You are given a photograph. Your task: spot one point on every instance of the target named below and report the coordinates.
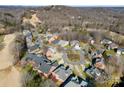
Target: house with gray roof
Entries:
(42, 63)
(27, 33)
(61, 73)
(112, 46)
(106, 41)
(74, 42)
(93, 72)
(74, 81)
(120, 51)
(72, 84)
(62, 43)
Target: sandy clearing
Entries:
(10, 78)
(6, 59)
(9, 75)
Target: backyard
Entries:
(73, 56)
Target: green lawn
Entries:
(79, 72)
(68, 46)
(73, 56)
(109, 52)
(27, 68)
(82, 44)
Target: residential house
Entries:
(53, 38)
(74, 81)
(77, 47)
(43, 65)
(33, 48)
(97, 53)
(39, 42)
(92, 41)
(98, 62)
(50, 52)
(120, 51)
(75, 44)
(71, 84)
(27, 33)
(63, 43)
(106, 42)
(28, 37)
(48, 35)
(93, 72)
(72, 43)
(61, 73)
(29, 42)
(112, 46)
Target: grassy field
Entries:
(68, 46)
(108, 53)
(77, 70)
(73, 56)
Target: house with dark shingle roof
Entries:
(98, 60)
(61, 73)
(93, 72)
(43, 65)
(74, 81)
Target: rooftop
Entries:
(74, 81)
(121, 49)
(63, 72)
(44, 64)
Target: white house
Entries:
(112, 46)
(120, 51)
(92, 41)
(106, 41)
(77, 47)
(63, 43)
(74, 42)
(26, 33)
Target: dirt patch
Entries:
(9, 75)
